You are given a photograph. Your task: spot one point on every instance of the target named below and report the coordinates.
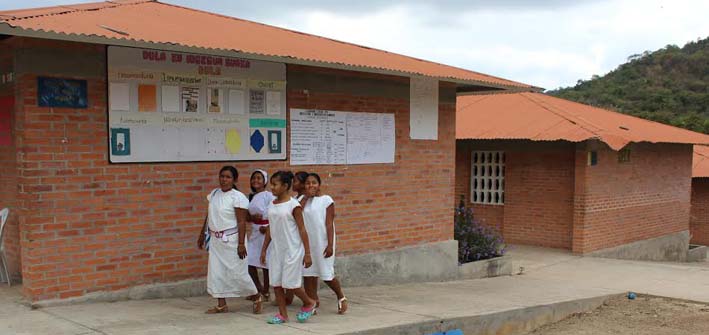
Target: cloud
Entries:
(270, 9)
(548, 43)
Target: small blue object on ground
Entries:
(632, 295)
(450, 332)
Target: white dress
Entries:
(285, 263)
(227, 274)
(258, 205)
(314, 215)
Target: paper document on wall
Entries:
(423, 108)
(318, 137)
(370, 138)
(237, 102)
(170, 98)
(273, 103)
(331, 137)
(119, 96)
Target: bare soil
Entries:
(646, 315)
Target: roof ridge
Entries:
(341, 42)
(582, 123)
(622, 114)
(70, 10)
(482, 97)
(705, 155)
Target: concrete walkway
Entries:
(549, 277)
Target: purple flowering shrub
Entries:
(475, 241)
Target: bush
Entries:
(475, 241)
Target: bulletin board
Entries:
(168, 106)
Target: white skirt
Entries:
(285, 267)
(227, 274)
(255, 245)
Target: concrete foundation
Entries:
(500, 266)
(672, 247)
(424, 263)
(696, 253)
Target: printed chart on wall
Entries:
(168, 106)
(332, 137)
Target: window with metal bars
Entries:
(487, 177)
(624, 155)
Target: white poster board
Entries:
(332, 137)
(168, 106)
(423, 108)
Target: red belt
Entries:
(261, 222)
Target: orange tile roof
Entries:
(146, 22)
(540, 117)
(700, 165)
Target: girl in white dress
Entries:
(319, 217)
(224, 234)
(290, 251)
(260, 199)
(299, 188)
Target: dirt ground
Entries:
(646, 315)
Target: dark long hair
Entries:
(234, 173)
(286, 177)
(301, 176)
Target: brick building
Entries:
(700, 196)
(554, 173)
(84, 221)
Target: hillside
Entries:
(670, 85)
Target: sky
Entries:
(546, 43)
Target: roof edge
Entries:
(527, 87)
(8, 29)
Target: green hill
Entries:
(670, 85)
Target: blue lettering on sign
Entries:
(257, 141)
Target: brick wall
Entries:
(619, 203)
(700, 211)
(539, 198)
(8, 165)
(538, 190)
(90, 225)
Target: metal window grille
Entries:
(624, 155)
(487, 181)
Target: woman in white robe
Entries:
(224, 235)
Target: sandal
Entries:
(305, 314)
(277, 319)
(342, 305)
(266, 296)
(217, 310)
(258, 305)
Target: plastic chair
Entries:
(3, 219)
